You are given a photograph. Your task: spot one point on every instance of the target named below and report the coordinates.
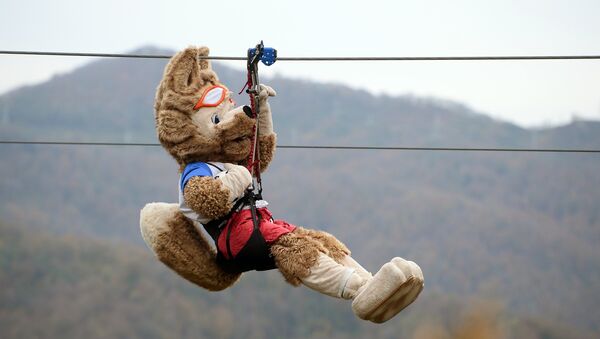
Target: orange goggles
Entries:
(212, 97)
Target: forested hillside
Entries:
(73, 287)
(520, 229)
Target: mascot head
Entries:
(196, 118)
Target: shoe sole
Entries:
(398, 298)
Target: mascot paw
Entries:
(266, 91)
(395, 286)
(154, 221)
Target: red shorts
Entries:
(242, 226)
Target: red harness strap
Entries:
(254, 156)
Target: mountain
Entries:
(521, 228)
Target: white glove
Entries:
(265, 121)
(236, 178)
(264, 92)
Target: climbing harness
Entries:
(255, 255)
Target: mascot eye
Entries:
(215, 119)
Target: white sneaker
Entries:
(396, 285)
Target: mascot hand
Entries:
(265, 92)
(264, 115)
(236, 178)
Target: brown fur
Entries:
(185, 250)
(183, 82)
(335, 248)
(181, 87)
(207, 196)
(182, 247)
(296, 252)
(234, 137)
(267, 145)
(185, 75)
(180, 138)
(188, 137)
(267, 150)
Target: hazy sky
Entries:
(526, 92)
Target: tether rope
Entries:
(343, 58)
(323, 147)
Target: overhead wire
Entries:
(308, 58)
(344, 58)
(322, 147)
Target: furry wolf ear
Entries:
(187, 71)
(185, 74)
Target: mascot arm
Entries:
(267, 139)
(213, 197)
(265, 126)
(267, 145)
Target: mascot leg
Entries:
(181, 246)
(319, 261)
